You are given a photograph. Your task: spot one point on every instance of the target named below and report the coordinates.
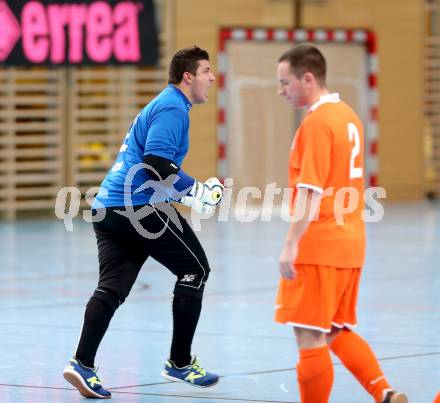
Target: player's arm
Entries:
(305, 209)
(160, 169)
(315, 157)
(164, 137)
(208, 193)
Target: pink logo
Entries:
(72, 31)
(9, 31)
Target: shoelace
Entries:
(198, 368)
(95, 370)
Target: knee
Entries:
(335, 332)
(192, 283)
(111, 298)
(343, 338)
(307, 338)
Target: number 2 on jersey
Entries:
(353, 134)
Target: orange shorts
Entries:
(319, 297)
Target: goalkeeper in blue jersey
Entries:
(134, 220)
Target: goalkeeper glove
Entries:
(209, 192)
(204, 197)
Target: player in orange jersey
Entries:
(437, 398)
(324, 250)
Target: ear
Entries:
(187, 77)
(308, 78)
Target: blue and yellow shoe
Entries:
(85, 380)
(192, 374)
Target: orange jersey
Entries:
(327, 156)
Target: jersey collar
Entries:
(188, 104)
(332, 98)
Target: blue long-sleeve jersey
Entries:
(160, 129)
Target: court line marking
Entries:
(204, 333)
(293, 369)
(228, 399)
(136, 296)
(117, 388)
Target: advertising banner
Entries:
(78, 32)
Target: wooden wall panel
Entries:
(31, 147)
(250, 13)
(401, 157)
(196, 23)
(340, 14)
(63, 126)
(103, 102)
(431, 66)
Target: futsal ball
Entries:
(216, 188)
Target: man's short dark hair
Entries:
(185, 60)
(306, 59)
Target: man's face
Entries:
(290, 87)
(202, 80)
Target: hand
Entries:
(197, 205)
(287, 259)
(210, 192)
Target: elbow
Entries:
(159, 168)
